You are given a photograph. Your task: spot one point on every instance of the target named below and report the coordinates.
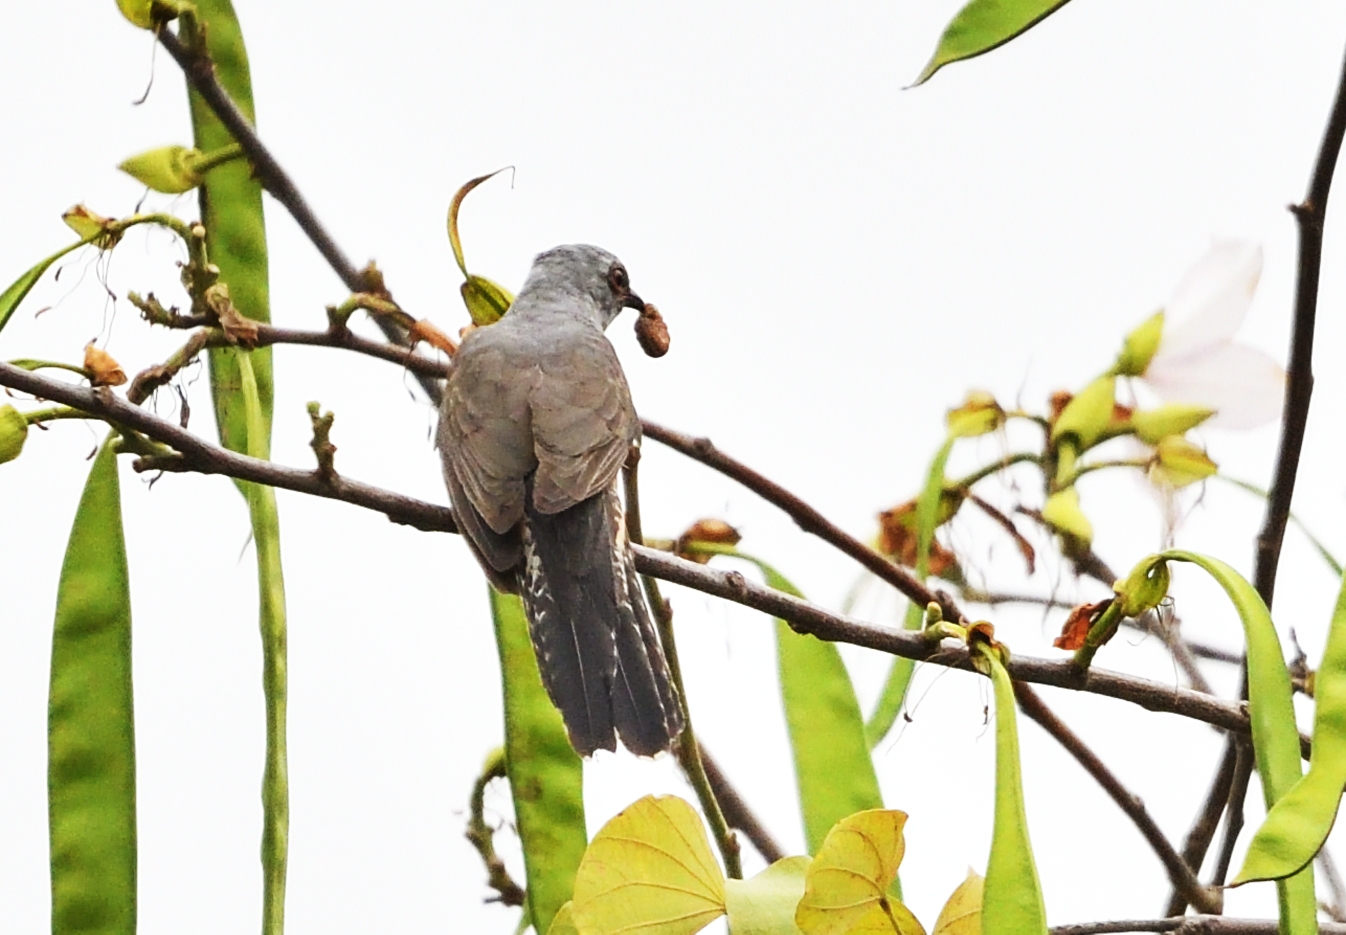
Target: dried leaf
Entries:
(1077, 625)
(423, 330)
(237, 328)
(705, 530)
(103, 370)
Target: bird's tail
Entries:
(596, 644)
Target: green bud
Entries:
(979, 414)
(1144, 588)
(1139, 347)
(147, 14)
(1177, 463)
(168, 169)
(486, 300)
(91, 226)
(13, 433)
(1088, 414)
(1155, 425)
(1063, 512)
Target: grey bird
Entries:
(536, 424)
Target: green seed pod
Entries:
(979, 414)
(1154, 425)
(168, 169)
(13, 433)
(1139, 347)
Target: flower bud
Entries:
(1154, 425)
(168, 169)
(1177, 463)
(13, 433)
(979, 414)
(1062, 511)
(1139, 347)
(486, 301)
(1144, 588)
(1088, 414)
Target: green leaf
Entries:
(486, 300)
(982, 25)
(766, 904)
(1298, 824)
(90, 729)
(928, 516)
(832, 763)
(1271, 711)
(545, 776)
(847, 884)
(19, 289)
(649, 870)
(1012, 898)
(455, 243)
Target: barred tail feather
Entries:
(596, 647)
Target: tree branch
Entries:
(195, 454)
(805, 516)
(1181, 875)
(1189, 925)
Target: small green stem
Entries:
(687, 750)
(963, 483)
(1079, 472)
(37, 416)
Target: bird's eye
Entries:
(618, 279)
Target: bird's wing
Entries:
(583, 422)
(485, 433)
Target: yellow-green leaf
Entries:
(1012, 896)
(649, 870)
(846, 888)
(982, 25)
(961, 915)
(765, 904)
(563, 923)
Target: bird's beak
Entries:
(633, 301)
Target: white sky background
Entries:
(839, 260)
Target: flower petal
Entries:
(1213, 298)
(1243, 385)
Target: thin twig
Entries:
(737, 812)
(805, 516)
(482, 836)
(199, 70)
(1203, 830)
(1233, 815)
(686, 747)
(1336, 908)
(1179, 873)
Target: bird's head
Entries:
(581, 269)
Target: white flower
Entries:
(1198, 361)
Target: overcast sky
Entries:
(839, 261)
